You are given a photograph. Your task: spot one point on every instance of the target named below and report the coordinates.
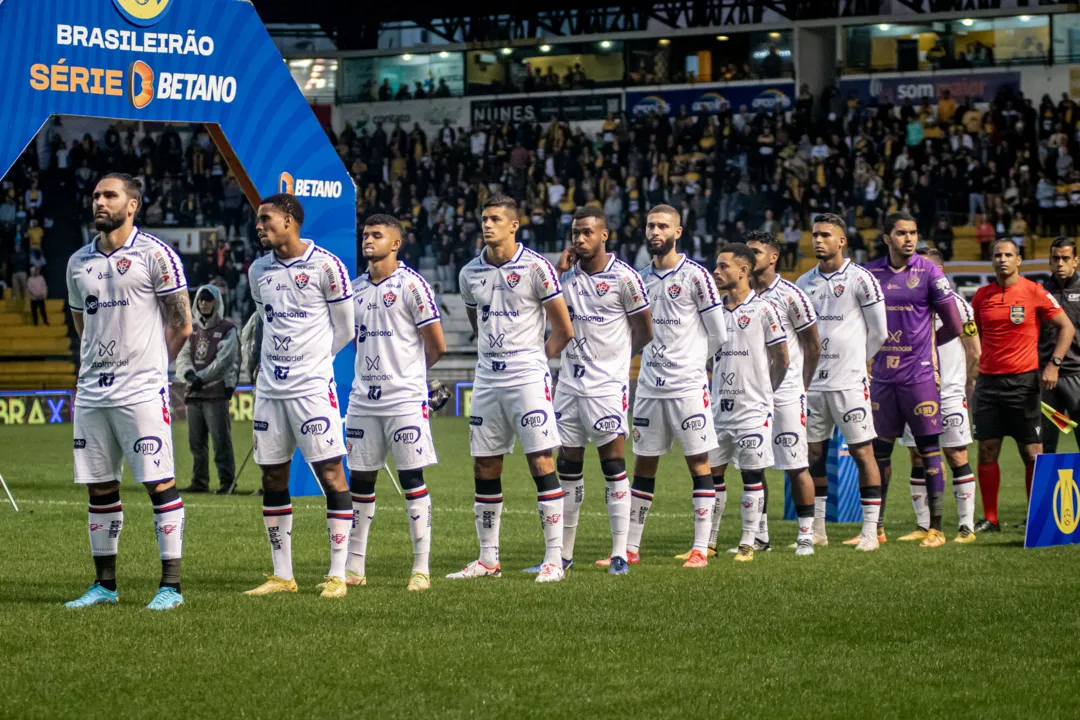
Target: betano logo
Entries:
(1066, 502)
(140, 84)
(308, 188)
(143, 12)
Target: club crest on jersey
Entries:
(202, 349)
(122, 265)
(744, 322)
(1016, 314)
(301, 281)
(838, 290)
(674, 291)
(602, 289)
(912, 282)
(389, 298)
(513, 279)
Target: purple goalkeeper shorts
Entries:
(917, 405)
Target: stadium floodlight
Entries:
(545, 48)
(967, 22)
(722, 38)
(444, 54)
(884, 27)
(11, 498)
(506, 51)
(774, 35)
(664, 41)
(1025, 18)
(605, 44)
(406, 57)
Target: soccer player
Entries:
(851, 322)
(508, 289)
(303, 294)
(904, 389)
(958, 362)
(130, 307)
(612, 322)
(672, 399)
(399, 336)
(1009, 313)
(798, 320)
(746, 372)
(1064, 285)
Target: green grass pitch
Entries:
(983, 630)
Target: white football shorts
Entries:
(407, 437)
(312, 423)
(585, 420)
(659, 421)
(107, 437)
(789, 436)
(848, 410)
(499, 414)
(748, 448)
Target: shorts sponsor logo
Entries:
(315, 426)
(261, 426)
(926, 409)
(786, 440)
(641, 422)
(534, 419)
(694, 422)
(954, 420)
(148, 445)
(855, 416)
(407, 435)
(1016, 314)
(608, 423)
(476, 421)
(80, 444)
(750, 442)
(354, 433)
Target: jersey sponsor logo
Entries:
(641, 422)
(954, 420)
(1016, 314)
(598, 319)
(261, 425)
(486, 312)
(123, 265)
(80, 444)
(373, 363)
(750, 442)
(363, 333)
(374, 392)
(942, 285)
(282, 343)
(855, 416)
(513, 279)
(743, 322)
(786, 440)
(608, 423)
(831, 318)
(727, 404)
(694, 422)
(301, 281)
(534, 419)
(540, 274)
(271, 313)
(602, 288)
(926, 409)
(838, 289)
(728, 378)
(674, 291)
(666, 321)
(147, 445)
(281, 372)
(409, 435)
(496, 341)
(389, 298)
(475, 420)
(315, 426)
(93, 304)
(498, 365)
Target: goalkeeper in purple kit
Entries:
(904, 378)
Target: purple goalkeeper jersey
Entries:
(912, 295)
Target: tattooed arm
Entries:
(176, 312)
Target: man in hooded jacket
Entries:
(210, 364)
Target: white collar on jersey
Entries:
(606, 268)
(749, 299)
(367, 275)
(303, 258)
(841, 271)
(654, 271)
(127, 243)
(517, 256)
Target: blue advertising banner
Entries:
(1054, 508)
(844, 504)
(713, 99)
(180, 61)
(977, 86)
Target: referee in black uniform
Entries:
(1064, 285)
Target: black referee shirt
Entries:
(1068, 296)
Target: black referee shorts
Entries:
(1008, 406)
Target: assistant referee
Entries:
(1009, 313)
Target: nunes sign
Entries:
(1054, 509)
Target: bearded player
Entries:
(673, 395)
(129, 303)
(852, 324)
(904, 389)
(612, 322)
(304, 294)
(398, 338)
(510, 292)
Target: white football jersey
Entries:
(673, 364)
(510, 321)
(596, 363)
(124, 357)
(839, 299)
(741, 387)
(294, 297)
(952, 359)
(796, 313)
(391, 368)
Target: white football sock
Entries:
(339, 521)
(718, 512)
(573, 495)
(704, 500)
(821, 503)
(488, 509)
(418, 508)
(964, 490)
(617, 497)
(806, 529)
(753, 498)
(550, 503)
(169, 524)
(278, 522)
(105, 522)
(919, 502)
(640, 502)
(363, 506)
